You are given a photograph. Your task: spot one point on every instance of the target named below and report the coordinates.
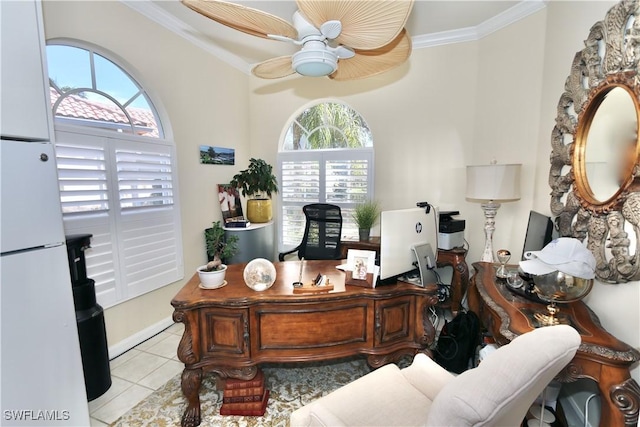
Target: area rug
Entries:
(291, 386)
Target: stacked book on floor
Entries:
(245, 397)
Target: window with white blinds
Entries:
(116, 173)
(121, 191)
(327, 157)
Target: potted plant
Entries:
(219, 249)
(366, 215)
(258, 183)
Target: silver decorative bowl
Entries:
(561, 287)
(558, 287)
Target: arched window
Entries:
(326, 156)
(116, 173)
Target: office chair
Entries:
(322, 232)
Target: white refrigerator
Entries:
(42, 381)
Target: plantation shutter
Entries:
(121, 190)
(146, 217)
(342, 177)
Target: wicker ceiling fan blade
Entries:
(274, 68)
(367, 63)
(243, 18)
(366, 24)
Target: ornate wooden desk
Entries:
(232, 329)
(601, 357)
(454, 258)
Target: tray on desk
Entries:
(524, 291)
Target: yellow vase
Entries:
(259, 210)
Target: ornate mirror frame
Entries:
(609, 60)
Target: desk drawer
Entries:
(308, 329)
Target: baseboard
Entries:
(139, 337)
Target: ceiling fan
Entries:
(342, 39)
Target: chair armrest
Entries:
(281, 255)
(426, 375)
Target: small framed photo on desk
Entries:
(361, 268)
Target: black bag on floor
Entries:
(458, 341)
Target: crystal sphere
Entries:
(259, 274)
(560, 287)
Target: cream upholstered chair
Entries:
(497, 393)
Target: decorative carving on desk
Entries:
(570, 373)
(505, 320)
(378, 360)
(245, 332)
(627, 397)
(463, 268)
(629, 356)
(191, 380)
(185, 347)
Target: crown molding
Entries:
(168, 21)
(491, 25)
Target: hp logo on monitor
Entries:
(418, 227)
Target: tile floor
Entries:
(136, 374)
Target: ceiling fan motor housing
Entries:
(315, 60)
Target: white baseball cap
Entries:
(565, 254)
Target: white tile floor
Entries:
(137, 373)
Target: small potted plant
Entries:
(366, 215)
(219, 249)
(258, 183)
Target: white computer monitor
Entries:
(401, 231)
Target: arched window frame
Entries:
(118, 182)
(312, 175)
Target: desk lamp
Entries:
(491, 184)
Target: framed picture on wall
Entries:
(217, 155)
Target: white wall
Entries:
(448, 107)
(421, 117)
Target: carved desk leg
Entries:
(620, 395)
(626, 396)
(191, 380)
(188, 353)
(460, 278)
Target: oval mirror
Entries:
(606, 146)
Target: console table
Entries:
(231, 330)
(454, 258)
(601, 356)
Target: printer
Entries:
(450, 231)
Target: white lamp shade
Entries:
(494, 182)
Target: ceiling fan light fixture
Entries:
(315, 62)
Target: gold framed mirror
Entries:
(594, 172)
(606, 143)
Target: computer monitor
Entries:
(539, 232)
(403, 234)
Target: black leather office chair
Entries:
(321, 239)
